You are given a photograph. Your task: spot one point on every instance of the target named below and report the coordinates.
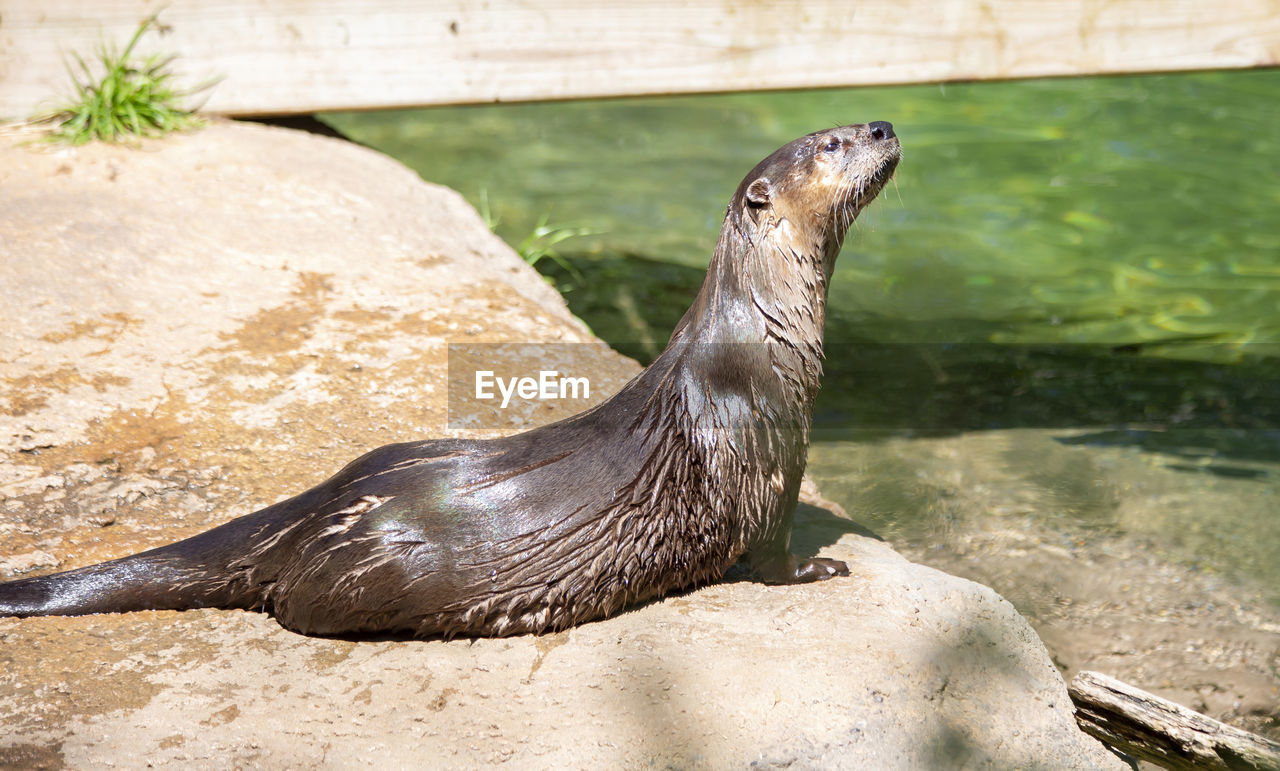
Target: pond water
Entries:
(1053, 345)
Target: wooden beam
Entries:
(1147, 727)
(297, 56)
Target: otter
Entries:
(692, 466)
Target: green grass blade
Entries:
(130, 100)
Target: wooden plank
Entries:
(1147, 727)
(290, 56)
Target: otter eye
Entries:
(833, 144)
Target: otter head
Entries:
(783, 229)
(810, 190)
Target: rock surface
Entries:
(197, 327)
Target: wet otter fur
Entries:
(691, 466)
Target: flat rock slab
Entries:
(194, 328)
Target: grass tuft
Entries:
(131, 101)
(542, 241)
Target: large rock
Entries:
(203, 325)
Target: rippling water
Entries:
(1062, 320)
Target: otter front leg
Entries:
(789, 570)
(775, 564)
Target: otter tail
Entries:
(204, 571)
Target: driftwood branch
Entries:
(1147, 727)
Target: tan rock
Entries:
(195, 328)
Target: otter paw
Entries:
(820, 569)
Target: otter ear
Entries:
(760, 192)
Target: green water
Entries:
(1089, 265)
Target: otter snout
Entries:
(880, 129)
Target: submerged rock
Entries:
(201, 326)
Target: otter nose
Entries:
(880, 129)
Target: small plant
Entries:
(542, 243)
(130, 101)
(490, 219)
